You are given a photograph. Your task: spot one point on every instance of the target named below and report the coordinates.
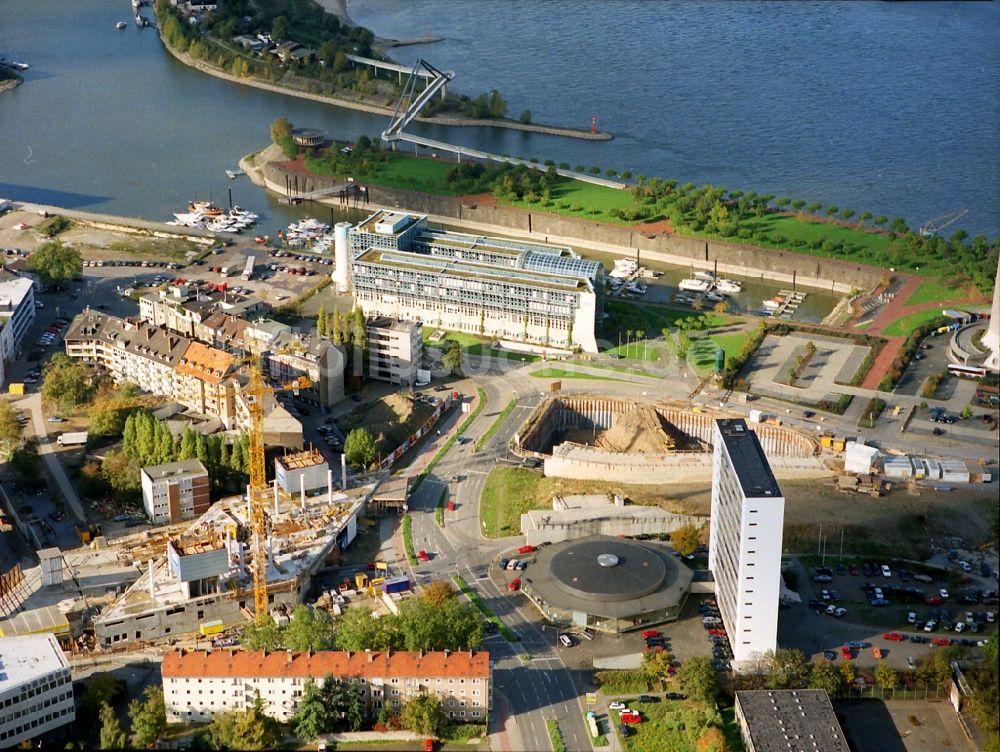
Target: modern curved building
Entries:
(608, 584)
(309, 137)
(992, 338)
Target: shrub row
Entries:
(411, 556)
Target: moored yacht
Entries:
(694, 284)
(728, 286)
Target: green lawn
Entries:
(903, 326)
(477, 346)
(562, 373)
(703, 349)
(651, 320)
(636, 351)
(677, 726)
(731, 343)
(575, 198)
(929, 292)
(508, 493)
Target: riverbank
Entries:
(9, 84)
(266, 168)
(377, 109)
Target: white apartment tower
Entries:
(744, 556)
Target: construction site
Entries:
(204, 573)
(607, 438)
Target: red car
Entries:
(717, 632)
(941, 641)
(854, 570)
(515, 584)
(894, 636)
(630, 718)
(846, 652)
(422, 555)
(525, 549)
(934, 600)
(651, 633)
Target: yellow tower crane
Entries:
(257, 391)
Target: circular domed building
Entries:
(608, 584)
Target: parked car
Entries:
(504, 563)
(617, 705)
(846, 653)
(515, 584)
(893, 637)
(886, 572)
(652, 633)
(566, 640)
(944, 593)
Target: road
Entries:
(33, 402)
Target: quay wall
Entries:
(732, 258)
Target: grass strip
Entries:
(555, 736)
(496, 425)
(408, 540)
(485, 610)
(439, 509)
(451, 440)
(562, 373)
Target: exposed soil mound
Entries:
(391, 419)
(639, 430)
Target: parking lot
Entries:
(896, 623)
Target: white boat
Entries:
(707, 276)
(728, 286)
(692, 284)
(773, 304)
(636, 287)
(14, 64)
(120, 25)
(714, 297)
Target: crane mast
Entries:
(258, 488)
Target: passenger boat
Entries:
(694, 284)
(728, 286)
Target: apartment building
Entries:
(540, 294)
(789, 720)
(744, 556)
(17, 312)
(395, 350)
(184, 308)
(291, 355)
(197, 684)
(204, 381)
(175, 491)
(36, 689)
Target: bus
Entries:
(971, 372)
(210, 628)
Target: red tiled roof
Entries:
(226, 663)
(205, 363)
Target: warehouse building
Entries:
(526, 292)
(789, 720)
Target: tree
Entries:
(312, 714)
(797, 204)
(359, 448)
(279, 29)
(656, 666)
(357, 630)
(685, 539)
(55, 263)
(697, 679)
(424, 715)
(24, 461)
(263, 636)
(122, 474)
(322, 321)
(336, 328)
(880, 220)
(450, 625)
(355, 707)
(189, 444)
(244, 729)
(525, 117)
(832, 209)
(712, 740)
(100, 688)
(452, 356)
(437, 592)
(824, 675)
(309, 629)
(865, 216)
(148, 718)
(848, 674)
(814, 207)
(886, 676)
(847, 213)
(11, 429)
(109, 414)
(66, 382)
(112, 734)
(359, 330)
(787, 669)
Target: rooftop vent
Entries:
(607, 560)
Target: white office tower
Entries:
(36, 690)
(341, 256)
(744, 555)
(992, 337)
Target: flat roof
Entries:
(181, 468)
(300, 460)
(28, 657)
(790, 720)
(577, 575)
(748, 459)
